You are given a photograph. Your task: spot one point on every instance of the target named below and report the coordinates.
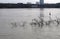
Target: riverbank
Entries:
(21, 5)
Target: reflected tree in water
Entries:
(14, 25)
(41, 22)
(18, 24)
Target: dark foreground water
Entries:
(15, 24)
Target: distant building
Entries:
(41, 2)
(29, 3)
(37, 3)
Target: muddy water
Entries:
(11, 24)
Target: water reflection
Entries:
(41, 13)
(42, 22)
(18, 24)
(39, 22)
(41, 17)
(14, 24)
(39, 28)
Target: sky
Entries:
(25, 1)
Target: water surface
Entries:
(9, 16)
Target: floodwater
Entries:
(15, 23)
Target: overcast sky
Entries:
(24, 1)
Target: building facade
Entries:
(41, 2)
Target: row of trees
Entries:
(21, 5)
